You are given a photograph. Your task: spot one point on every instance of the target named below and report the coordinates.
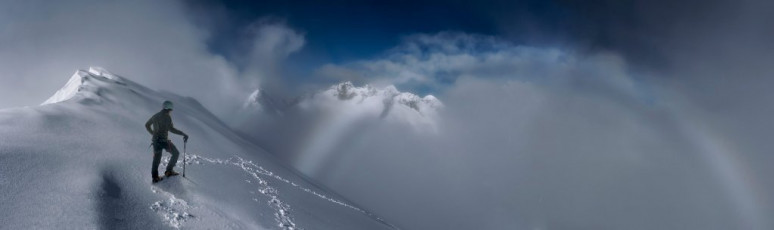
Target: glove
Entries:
(185, 138)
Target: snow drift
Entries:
(81, 161)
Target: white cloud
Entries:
(531, 138)
(272, 42)
(437, 60)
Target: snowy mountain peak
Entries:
(344, 85)
(85, 84)
(254, 99)
(344, 101)
(389, 95)
(346, 90)
(260, 100)
(99, 71)
(390, 90)
(386, 103)
(432, 101)
(70, 88)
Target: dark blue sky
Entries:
(340, 31)
(343, 30)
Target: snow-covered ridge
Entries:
(80, 81)
(89, 135)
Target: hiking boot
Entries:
(171, 173)
(156, 179)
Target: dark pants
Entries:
(165, 145)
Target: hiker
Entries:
(162, 123)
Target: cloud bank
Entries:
(436, 61)
(271, 43)
(535, 138)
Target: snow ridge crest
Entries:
(81, 81)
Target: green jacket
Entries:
(162, 123)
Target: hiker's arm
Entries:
(172, 129)
(148, 126)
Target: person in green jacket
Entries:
(161, 123)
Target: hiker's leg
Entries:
(172, 161)
(156, 160)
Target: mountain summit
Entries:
(81, 84)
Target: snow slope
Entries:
(81, 161)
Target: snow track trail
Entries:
(180, 209)
(174, 210)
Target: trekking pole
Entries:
(184, 150)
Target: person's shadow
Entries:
(116, 208)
